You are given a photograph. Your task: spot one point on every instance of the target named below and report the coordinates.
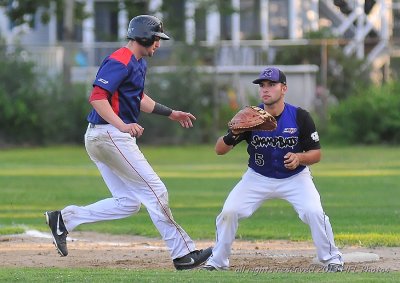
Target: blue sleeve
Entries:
(110, 75)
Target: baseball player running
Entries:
(277, 168)
(117, 99)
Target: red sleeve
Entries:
(98, 93)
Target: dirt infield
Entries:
(86, 249)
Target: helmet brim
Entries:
(162, 35)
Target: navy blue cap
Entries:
(271, 74)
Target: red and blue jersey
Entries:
(123, 77)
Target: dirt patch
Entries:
(87, 249)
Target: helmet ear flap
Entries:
(145, 42)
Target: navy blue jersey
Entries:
(123, 77)
(295, 132)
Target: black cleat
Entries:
(209, 267)
(193, 259)
(334, 267)
(58, 231)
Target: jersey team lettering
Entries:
(278, 141)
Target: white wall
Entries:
(301, 81)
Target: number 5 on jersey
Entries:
(258, 159)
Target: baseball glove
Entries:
(252, 118)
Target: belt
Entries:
(91, 125)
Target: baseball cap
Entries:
(271, 74)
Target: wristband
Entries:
(230, 138)
(161, 110)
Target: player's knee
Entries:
(229, 214)
(128, 205)
(311, 213)
(134, 209)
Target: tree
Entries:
(23, 12)
(343, 73)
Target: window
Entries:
(250, 19)
(106, 21)
(278, 19)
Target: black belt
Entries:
(91, 125)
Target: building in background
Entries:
(244, 40)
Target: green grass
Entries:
(358, 187)
(160, 276)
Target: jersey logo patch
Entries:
(290, 130)
(103, 81)
(315, 136)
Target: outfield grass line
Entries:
(43, 171)
(366, 235)
(357, 173)
(341, 173)
(188, 173)
(368, 239)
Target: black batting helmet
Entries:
(144, 29)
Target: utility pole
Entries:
(68, 38)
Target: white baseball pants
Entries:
(254, 189)
(132, 182)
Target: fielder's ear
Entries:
(284, 87)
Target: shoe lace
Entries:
(196, 252)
